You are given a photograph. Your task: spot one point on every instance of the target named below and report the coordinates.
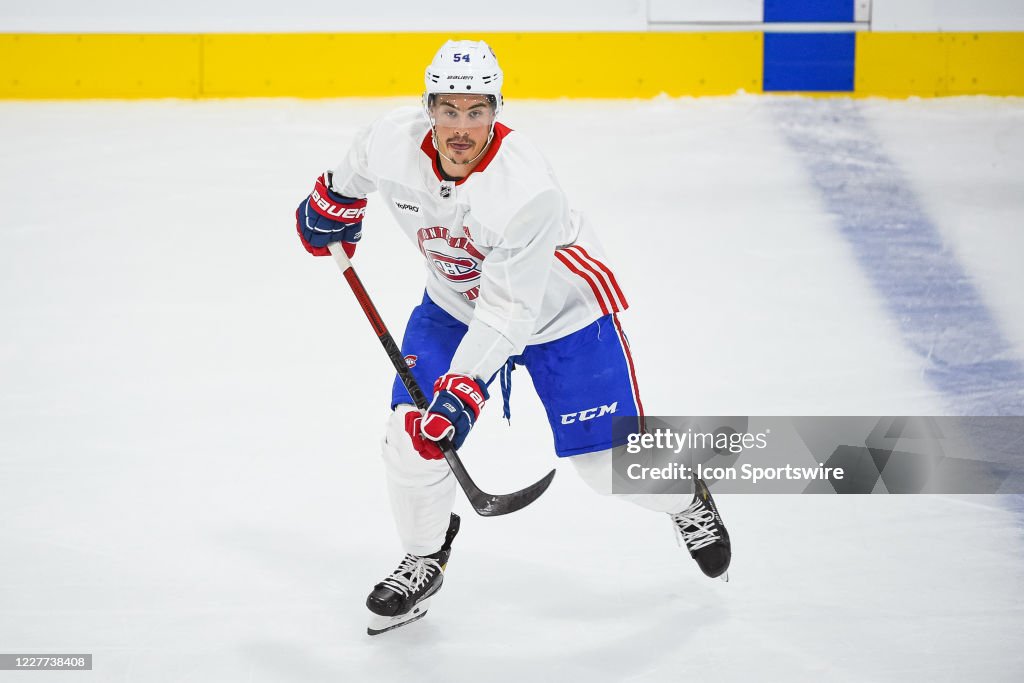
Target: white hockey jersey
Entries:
(504, 252)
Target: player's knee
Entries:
(596, 470)
(405, 466)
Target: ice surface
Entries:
(190, 406)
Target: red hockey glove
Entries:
(326, 216)
(457, 403)
(427, 449)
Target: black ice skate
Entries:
(403, 597)
(700, 527)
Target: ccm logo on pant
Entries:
(589, 414)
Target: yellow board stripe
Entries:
(537, 65)
(346, 65)
(60, 66)
(929, 64)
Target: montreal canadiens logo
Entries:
(454, 268)
(410, 360)
(456, 259)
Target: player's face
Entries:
(462, 124)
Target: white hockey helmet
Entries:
(464, 67)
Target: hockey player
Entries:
(514, 278)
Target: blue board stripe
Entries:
(808, 10)
(809, 62)
(929, 294)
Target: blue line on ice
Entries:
(940, 313)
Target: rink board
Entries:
(904, 64)
(538, 65)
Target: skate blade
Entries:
(725, 577)
(379, 624)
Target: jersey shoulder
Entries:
(520, 166)
(518, 178)
(400, 129)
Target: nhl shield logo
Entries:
(446, 190)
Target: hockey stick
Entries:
(486, 504)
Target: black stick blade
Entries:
(489, 505)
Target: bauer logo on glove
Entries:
(326, 216)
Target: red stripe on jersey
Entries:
(500, 131)
(607, 271)
(601, 277)
(560, 255)
(597, 276)
(632, 371)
